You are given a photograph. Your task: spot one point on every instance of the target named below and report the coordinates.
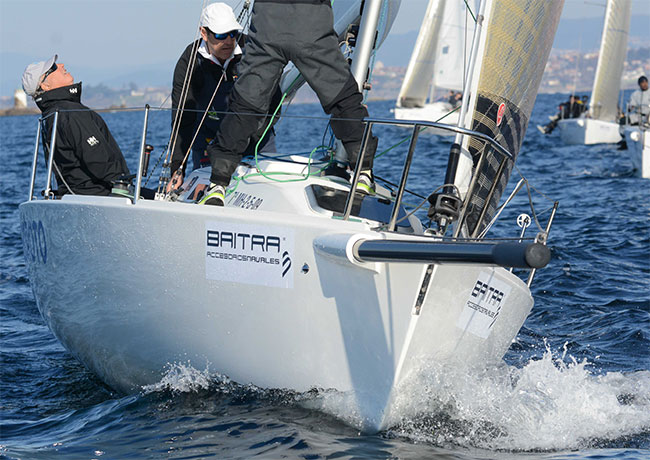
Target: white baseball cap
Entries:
(33, 73)
(219, 18)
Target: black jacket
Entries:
(204, 80)
(85, 152)
(571, 110)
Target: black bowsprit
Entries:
(504, 254)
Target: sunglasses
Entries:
(231, 34)
(49, 71)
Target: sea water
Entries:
(575, 383)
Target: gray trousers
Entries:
(303, 34)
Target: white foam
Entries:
(183, 378)
(551, 403)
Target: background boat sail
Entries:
(281, 288)
(600, 125)
(438, 63)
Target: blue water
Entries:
(575, 384)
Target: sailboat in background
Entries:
(299, 281)
(438, 62)
(600, 124)
(637, 139)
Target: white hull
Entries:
(638, 147)
(587, 131)
(130, 289)
(437, 112)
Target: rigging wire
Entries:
(184, 91)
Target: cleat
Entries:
(214, 196)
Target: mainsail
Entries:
(513, 48)
(613, 47)
(439, 53)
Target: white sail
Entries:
(613, 47)
(419, 72)
(513, 48)
(454, 44)
(440, 52)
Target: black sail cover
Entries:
(513, 49)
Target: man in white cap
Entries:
(86, 158)
(214, 72)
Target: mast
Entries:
(613, 47)
(367, 39)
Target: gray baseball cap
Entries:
(33, 73)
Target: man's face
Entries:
(220, 49)
(644, 85)
(60, 77)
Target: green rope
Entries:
(470, 11)
(304, 177)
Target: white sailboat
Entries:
(637, 139)
(439, 62)
(304, 284)
(600, 124)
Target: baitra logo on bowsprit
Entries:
(249, 254)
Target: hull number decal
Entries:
(246, 201)
(482, 307)
(250, 254)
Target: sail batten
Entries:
(613, 47)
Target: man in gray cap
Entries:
(86, 157)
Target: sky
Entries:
(114, 35)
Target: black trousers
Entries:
(304, 34)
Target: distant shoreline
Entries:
(14, 111)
